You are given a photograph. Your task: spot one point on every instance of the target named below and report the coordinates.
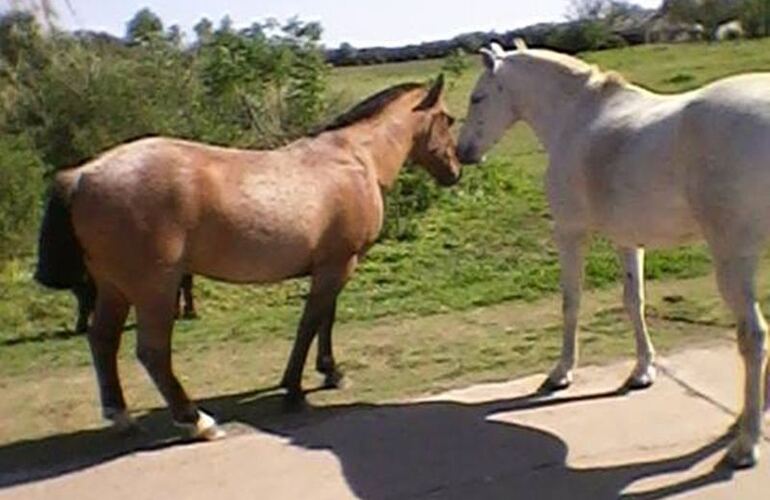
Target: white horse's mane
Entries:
(596, 77)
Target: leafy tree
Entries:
(204, 30)
(20, 39)
(591, 26)
(755, 17)
(144, 27)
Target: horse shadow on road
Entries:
(435, 449)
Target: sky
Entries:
(359, 22)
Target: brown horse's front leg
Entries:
(316, 308)
(325, 363)
(320, 308)
(318, 315)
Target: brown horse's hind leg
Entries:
(104, 340)
(156, 320)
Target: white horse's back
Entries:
(655, 168)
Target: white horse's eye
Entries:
(475, 99)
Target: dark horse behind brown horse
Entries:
(145, 213)
(85, 295)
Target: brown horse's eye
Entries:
(451, 120)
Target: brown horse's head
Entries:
(434, 146)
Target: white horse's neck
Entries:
(553, 98)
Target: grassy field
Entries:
(483, 243)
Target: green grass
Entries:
(482, 243)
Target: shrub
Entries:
(413, 194)
(21, 188)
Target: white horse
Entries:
(645, 170)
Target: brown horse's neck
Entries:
(385, 143)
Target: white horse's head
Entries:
(492, 110)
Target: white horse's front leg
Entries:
(571, 259)
(633, 299)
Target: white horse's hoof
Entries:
(742, 455)
(121, 420)
(205, 429)
(642, 377)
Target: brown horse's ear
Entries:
(434, 94)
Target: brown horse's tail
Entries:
(60, 262)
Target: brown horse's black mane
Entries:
(370, 106)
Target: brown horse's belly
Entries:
(249, 257)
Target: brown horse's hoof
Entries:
(204, 429)
(334, 380)
(122, 422)
(549, 386)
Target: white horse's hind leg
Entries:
(736, 283)
(571, 259)
(633, 299)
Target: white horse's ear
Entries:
(520, 44)
(490, 59)
(498, 50)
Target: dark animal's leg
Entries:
(325, 362)
(104, 340)
(319, 307)
(187, 293)
(85, 293)
(178, 303)
(156, 320)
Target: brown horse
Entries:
(145, 213)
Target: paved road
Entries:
(487, 441)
